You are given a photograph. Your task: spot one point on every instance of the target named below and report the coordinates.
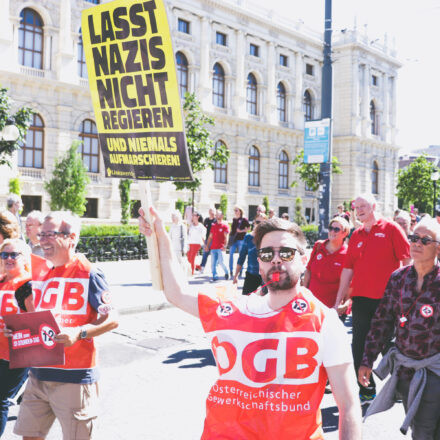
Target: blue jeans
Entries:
(236, 246)
(205, 257)
(217, 258)
(10, 383)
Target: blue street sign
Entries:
(317, 136)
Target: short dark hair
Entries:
(8, 228)
(278, 224)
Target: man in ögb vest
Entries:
(275, 352)
(78, 295)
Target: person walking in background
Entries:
(179, 237)
(326, 262)
(34, 220)
(285, 216)
(252, 280)
(16, 291)
(403, 219)
(410, 310)
(217, 242)
(375, 250)
(196, 233)
(15, 205)
(240, 226)
(207, 223)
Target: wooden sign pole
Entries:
(153, 248)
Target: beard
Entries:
(287, 280)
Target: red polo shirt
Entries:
(374, 256)
(325, 271)
(218, 231)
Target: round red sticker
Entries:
(426, 311)
(47, 336)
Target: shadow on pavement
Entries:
(330, 418)
(204, 357)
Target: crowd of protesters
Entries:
(383, 272)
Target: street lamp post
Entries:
(434, 177)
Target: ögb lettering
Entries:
(63, 295)
(8, 304)
(255, 359)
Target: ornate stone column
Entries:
(298, 114)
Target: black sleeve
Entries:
(22, 293)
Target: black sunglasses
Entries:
(414, 238)
(6, 255)
(267, 254)
(334, 228)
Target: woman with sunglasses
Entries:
(326, 262)
(16, 291)
(252, 279)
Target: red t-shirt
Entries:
(374, 256)
(218, 235)
(325, 272)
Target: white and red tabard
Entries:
(271, 365)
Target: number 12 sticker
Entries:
(47, 336)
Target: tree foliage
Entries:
(201, 150)
(124, 193)
(21, 119)
(299, 218)
(224, 204)
(309, 172)
(414, 185)
(15, 185)
(67, 187)
(266, 204)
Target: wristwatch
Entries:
(82, 333)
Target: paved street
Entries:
(157, 369)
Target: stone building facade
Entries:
(257, 74)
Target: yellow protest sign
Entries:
(133, 83)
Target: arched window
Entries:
(30, 39)
(254, 167)
(307, 106)
(82, 68)
(218, 86)
(374, 116)
(283, 170)
(89, 148)
(281, 102)
(251, 94)
(182, 73)
(31, 152)
(220, 169)
(375, 178)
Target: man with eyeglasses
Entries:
(410, 309)
(274, 352)
(78, 295)
(375, 250)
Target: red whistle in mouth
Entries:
(276, 276)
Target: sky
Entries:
(415, 25)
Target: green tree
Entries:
(414, 185)
(67, 187)
(180, 206)
(299, 218)
(21, 119)
(266, 204)
(124, 193)
(309, 172)
(201, 151)
(15, 185)
(224, 205)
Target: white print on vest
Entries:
(68, 296)
(8, 304)
(259, 359)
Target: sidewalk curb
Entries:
(143, 308)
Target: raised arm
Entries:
(174, 280)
